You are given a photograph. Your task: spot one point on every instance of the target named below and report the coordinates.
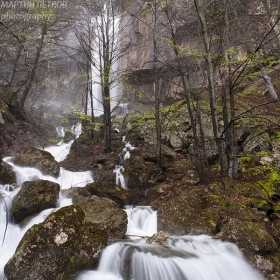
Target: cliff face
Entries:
(138, 29)
(61, 84)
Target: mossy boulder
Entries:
(149, 153)
(109, 160)
(34, 197)
(137, 165)
(101, 174)
(109, 190)
(194, 211)
(57, 248)
(40, 159)
(253, 196)
(79, 195)
(104, 189)
(7, 174)
(249, 232)
(106, 214)
(132, 180)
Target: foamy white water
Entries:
(184, 258)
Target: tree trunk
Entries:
(34, 68)
(210, 74)
(156, 89)
(269, 84)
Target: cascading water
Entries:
(11, 233)
(182, 258)
(119, 168)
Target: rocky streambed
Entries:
(72, 238)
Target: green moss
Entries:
(261, 153)
(267, 187)
(212, 223)
(245, 159)
(277, 208)
(276, 260)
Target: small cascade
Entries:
(184, 258)
(60, 131)
(60, 151)
(66, 178)
(119, 176)
(119, 168)
(142, 221)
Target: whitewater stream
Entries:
(182, 258)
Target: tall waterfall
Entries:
(108, 20)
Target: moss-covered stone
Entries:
(249, 232)
(7, 174)
(34, 197)
(106, 215)
(194, 211)
(57, 248)
(40, 159)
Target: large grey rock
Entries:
(105, 214)
(34, 197)
(40, 159)
(132, 180)
(194, 211)
(7, 174)
(248, 234)
(57, 248)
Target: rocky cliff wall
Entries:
(138, 29)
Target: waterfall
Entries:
(119, 168)
(66, 179)
(182, 258)
(108, 20)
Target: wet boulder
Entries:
(34, 197)
(7, 174)
(194, 211)
(101, 174)
(39, 159)
(106, 214)
(57, 248)
(159, 238)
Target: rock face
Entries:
(105, 214)
(249, 234)
(40, 159)
(194, 211)
(7, 175)
(109, 190)
(34, 197)
(57, 248)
